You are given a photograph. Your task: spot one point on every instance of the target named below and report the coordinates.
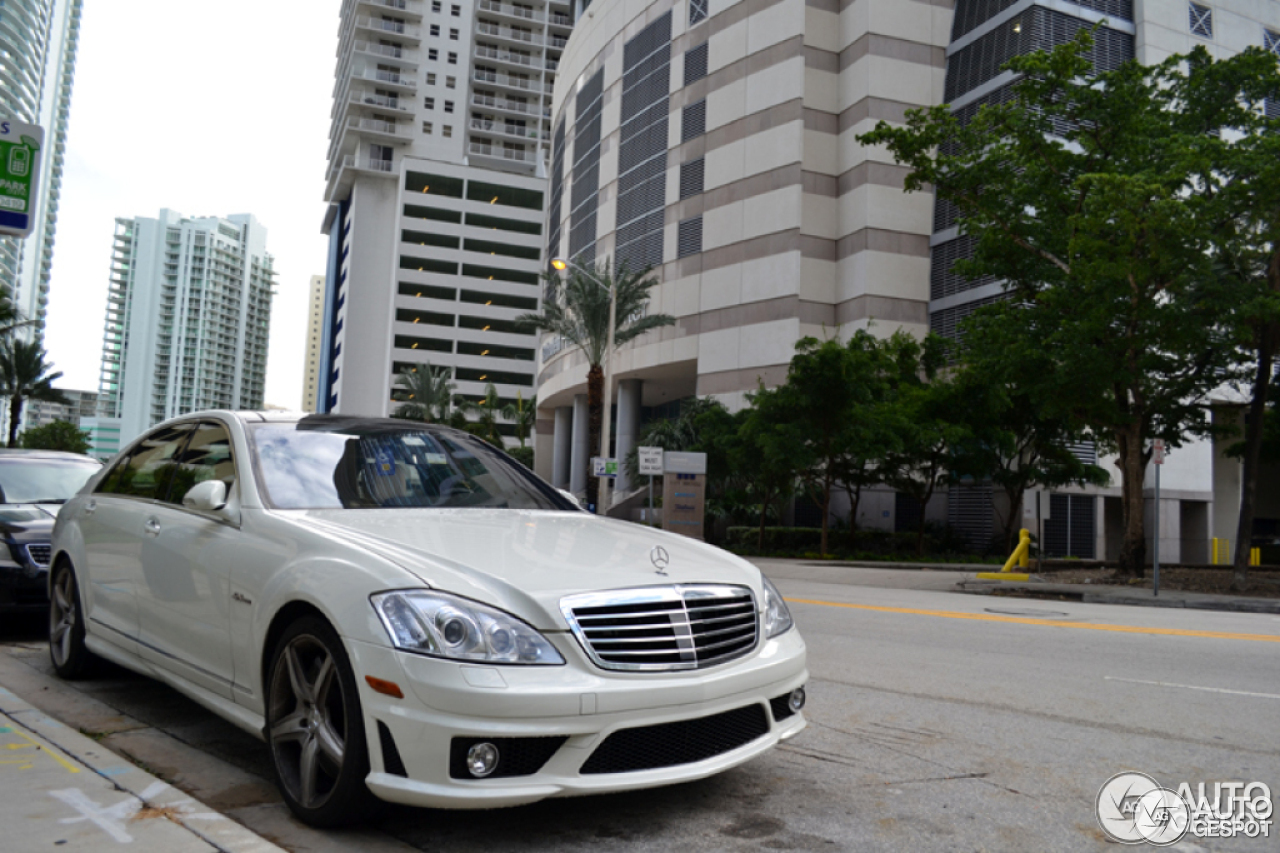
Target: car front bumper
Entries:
(577, 702)
(23, 589)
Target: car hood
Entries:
(28, 517)
(525, 561)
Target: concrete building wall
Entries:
(311, 351)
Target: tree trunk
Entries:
(1133, 550)
(1016, 495)
(595, 414)
(15, 415)
(1253, 431)
(855, 497)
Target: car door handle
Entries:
(90, 507)
(152, 527)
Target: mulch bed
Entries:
(1262, 583)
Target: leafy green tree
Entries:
(59, 435)
(577, 309)
(767, 454)
(522, 414)
(429, 393)
(1081, 197)
(24, 375)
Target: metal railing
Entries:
(500, 104)
(506, 9)
(389, 127)
(351, 161)
(507, 33)
(389, 27)
(503, 55)
(388, 50)
(502, 153)
(380, 101)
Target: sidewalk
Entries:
(1109, 594)
(60, 789)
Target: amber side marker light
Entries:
(387, 688)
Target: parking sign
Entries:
(20, 147)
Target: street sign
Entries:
(684, 463)
(20, 147)
(650, 461)
(604, 467)
(1158, 451)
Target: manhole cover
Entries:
(1036, 614)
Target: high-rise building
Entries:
(311, 354)
(38, 413)
(38, 43)
(188, 316)
(436, 182)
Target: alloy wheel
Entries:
(308, 723)
(62, 617)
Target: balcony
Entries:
(513, 131)
(557, 42)
(504, 105)
(508, 158)
(558, 19)
(507, 10)
(486, 52)
(409, 8)
(343, 173)
(386, 52)
(382, 131)
(387, 78)
(507, 80)
(407, 32)
(488, 28)
(372, 101)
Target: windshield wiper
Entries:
(49, 501)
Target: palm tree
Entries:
(522, 415)
(430, 394)
(11, 318)
(24, 375)
(487, 412)
(577, 309)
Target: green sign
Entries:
(19, 168)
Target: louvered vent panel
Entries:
(689, 238)
(695, 63)
(642, 148)
(691, 177)
(693, 121)
(947, 321)
(943, 281)
(970, 514)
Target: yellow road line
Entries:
(48, 750)
(1020, 620)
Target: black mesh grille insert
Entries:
(517, 756)
(695, 63)
(391, 760)
(671, 744)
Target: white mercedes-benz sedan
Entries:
(403, 612)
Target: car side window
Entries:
(206, 457)
(147, 470)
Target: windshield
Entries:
(28, 480)
(376, 465)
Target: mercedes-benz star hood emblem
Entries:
(661, 559)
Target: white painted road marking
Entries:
(1193, 687)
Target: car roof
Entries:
(15, 453)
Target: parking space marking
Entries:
(1019, 620)
(1192, 687)
(49, 749)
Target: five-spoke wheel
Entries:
(314, 726)
(66, 626)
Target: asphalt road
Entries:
(935, 724)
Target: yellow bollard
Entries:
(1255, 557)
(1020, 557)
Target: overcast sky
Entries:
(208, 109)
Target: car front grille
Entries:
(670, 744)
(655, 629)
(40, 554)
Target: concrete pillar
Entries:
(580, 457)
(562, 450)
(628, 428)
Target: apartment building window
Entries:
(447, 131)
(1201, 20)
(429, 103)
(697, 11)
(426, 128)
(435, 5)
(453, 58)
(448, 106)
(455, 10)
(433, 54)
(450, 82)
(435, 29)
(431, 78)
(453, 34)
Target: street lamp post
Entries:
(606, 485)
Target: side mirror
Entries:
(570, 497)
(209, 496)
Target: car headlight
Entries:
(777, 618)
(435, 623)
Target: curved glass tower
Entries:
(38, 41)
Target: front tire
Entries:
(315, 727)
(71, 658)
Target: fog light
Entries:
(482, 758)
(796, 700)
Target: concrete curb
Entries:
(1134, 598)
(220, 832)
